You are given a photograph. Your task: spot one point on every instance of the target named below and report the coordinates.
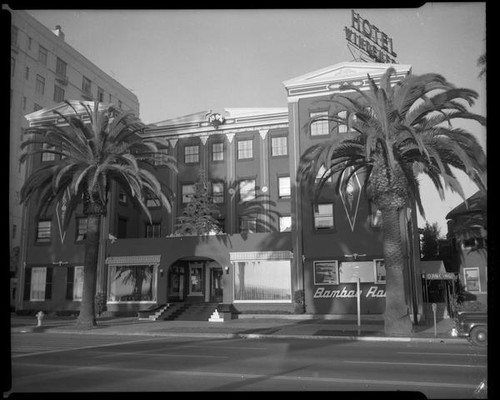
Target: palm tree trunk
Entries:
(86, 318)
(397, 321)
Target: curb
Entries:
(221, 335)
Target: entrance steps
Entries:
(153, 314)
(190, 311)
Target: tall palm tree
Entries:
(396, 133)
(108, 148)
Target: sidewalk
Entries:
(251, 326)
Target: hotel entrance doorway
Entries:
(195, 280)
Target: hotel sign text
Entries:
(370, 40)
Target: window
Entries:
(100, 94)
(43, 231)
(86, 85)
(30, 41)
(152, 201)
(473, 243)
(284, 189)
(321, 172)
(326, 272)
(471, 278)
(247, 189)
(262, 281)
(217, 151)
(12, 66)
(321, 127)
(81, 228)
(187, 193)
(40, 283)
(40, 85)
(58, 94)
(46, 155)
(191, 154)
(245, 149)
(74, 283)
(218, 192)
(131, 283)
(196, 279)
(27, 73)
(342, 128)
(279, 146)
(248, 225)
(61, 67)
(14, 34)
(122, 197)
(323, 216)
(153, 230)
(42, 55)
(379, 266)
(285, 223)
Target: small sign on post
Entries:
(434, 309)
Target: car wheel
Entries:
(479, 335)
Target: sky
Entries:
(179, 62)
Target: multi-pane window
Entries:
(191, 154)
(284, 187)
(323, 216)
(74, 283)
(247, 189)
(285, 223)
(86, 85)
(279, 146)
(30, 41)
(471, 278)
(100, 94)
(58, 94)
(217, 151)
(40, 84)
(47, 155)
(342, 127)
(43, 231)
(218, 192)
(319, 127)
(245, 149)
(81, 228)
(187, 193)
(153, 230)
(42, 55)
(248, 224)
(152, 201)
(61, 67)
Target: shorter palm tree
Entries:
(97, 148)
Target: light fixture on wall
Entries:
(161, 272)
(226, 268)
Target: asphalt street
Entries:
(114, 363)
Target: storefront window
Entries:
(265, 281)
(326, 272)
(131, 283)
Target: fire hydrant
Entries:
(39, 317)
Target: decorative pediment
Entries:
(331, 78)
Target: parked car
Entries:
(472, 325)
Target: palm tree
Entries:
(108, 149)
(395, 134)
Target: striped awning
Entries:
(134, 260)
(260, 255)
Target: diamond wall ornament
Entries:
(350, 194)
(61, 212)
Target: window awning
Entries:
(134, 260)
(260, 255)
